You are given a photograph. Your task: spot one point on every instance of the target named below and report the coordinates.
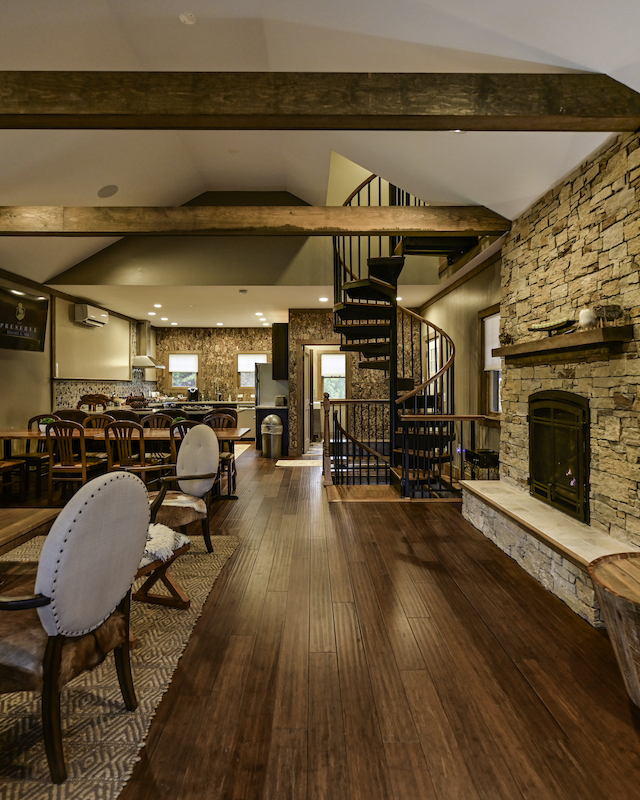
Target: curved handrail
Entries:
(364, 446)
(408, 395)
(357, 191)
(347, 202)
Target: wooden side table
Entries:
(616, 579)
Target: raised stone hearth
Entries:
(555, 549)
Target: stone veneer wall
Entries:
(219, 348)
(560, 576)
(317, 326)
(580, 244)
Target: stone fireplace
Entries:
(578, 245)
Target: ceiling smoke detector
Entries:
(188, 18)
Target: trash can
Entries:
(272, 436)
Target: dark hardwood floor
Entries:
(370, 651)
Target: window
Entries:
(247, 369)
(183, 369)
(333, 375)
(491, 365)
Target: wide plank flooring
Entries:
(382, 652)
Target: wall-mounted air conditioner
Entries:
(90, 315)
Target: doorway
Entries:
(324, 368)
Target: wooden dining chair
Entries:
(175, 412)
(77, 611)
(227, 455)
(177, 432)
(99, 421)
(35, 457)
(126, 449)
(158, 451)
(196, 472)
(125, 414)
(68, 460)
(71, 415)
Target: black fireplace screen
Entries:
(559, 451)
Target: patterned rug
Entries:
(101, 739)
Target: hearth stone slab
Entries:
(552, 547)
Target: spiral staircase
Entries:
(411, 437)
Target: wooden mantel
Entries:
(611, 338)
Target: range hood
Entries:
(143, 360)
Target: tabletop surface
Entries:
(225, 434)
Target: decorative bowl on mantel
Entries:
(562, 325)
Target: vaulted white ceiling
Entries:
(504, 171)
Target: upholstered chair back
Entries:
(199, 455)
(92, 552)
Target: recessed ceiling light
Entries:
(265, 324)
(219, 323)
(398, 298)
(259, 313)
(188, 18)
(174, 323)
(263, 319)
(164, 319)
(15, 291)
(157, 305)
(41, 298)
(457, 130)
(108, 191)
(151, 313)
(323, 299)
(103, 315)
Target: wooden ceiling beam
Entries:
(317, 101)
(250, 221)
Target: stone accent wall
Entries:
(560, 576)
(317, 326)
(580, 244)
(219, 348)
(304, 325)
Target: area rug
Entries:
(299, 463)
(101, 739)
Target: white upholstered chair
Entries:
(196, 472)
(88, 563)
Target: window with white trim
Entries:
(333, 375)
(183, 369)
(247, 369)
(492, 365)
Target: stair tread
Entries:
(382, 363)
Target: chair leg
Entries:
(51, 726)
(123, 661)
(207, 534)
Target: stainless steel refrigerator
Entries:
(266, 388)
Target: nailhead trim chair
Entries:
(196, 472)
(79, 610)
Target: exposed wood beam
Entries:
(249, 221)
(320, 101)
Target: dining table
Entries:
(9, 435)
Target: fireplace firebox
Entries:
(559, 451)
